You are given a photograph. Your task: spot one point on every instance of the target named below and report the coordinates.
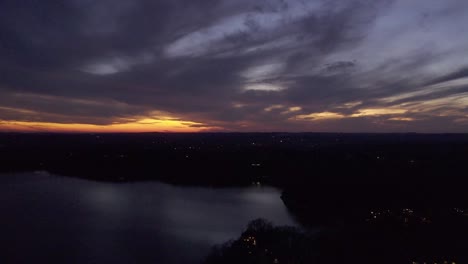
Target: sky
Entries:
(234, 65)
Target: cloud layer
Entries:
(221, 65)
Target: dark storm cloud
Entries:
(462, 73)
(239, 65)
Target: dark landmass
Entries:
(366, 170)
(280, 159)
(339, 171)
(398, 197)
(263, 243)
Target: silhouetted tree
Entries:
(262, 243)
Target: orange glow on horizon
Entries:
(143, 125)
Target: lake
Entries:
(52, 219)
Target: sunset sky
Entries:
(234, 65)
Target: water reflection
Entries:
(48, 219)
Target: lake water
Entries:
(50, 219)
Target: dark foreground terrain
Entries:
(378, 198)
(262, 242)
